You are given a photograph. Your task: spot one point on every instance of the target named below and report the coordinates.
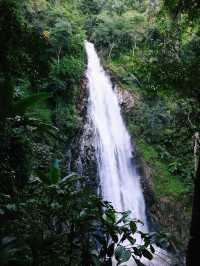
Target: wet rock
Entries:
(125, 99)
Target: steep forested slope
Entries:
(151, 48)
(41, 57)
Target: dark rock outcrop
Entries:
(80, 156)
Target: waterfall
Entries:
(119, 181)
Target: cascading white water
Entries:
(120, 184)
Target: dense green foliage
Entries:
(54, 225)
(46, 220)
(41, 59)
(152, 48)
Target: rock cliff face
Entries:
(81, 153)
(125, 98)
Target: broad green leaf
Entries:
(109, 216)
(133, 227)
(118, 253)
(122, 254)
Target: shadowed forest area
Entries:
(50, 214)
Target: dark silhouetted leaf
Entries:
(147, 254)
(110, 250)
(133, 227)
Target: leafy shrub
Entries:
(55, 223)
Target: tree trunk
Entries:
(193, 252)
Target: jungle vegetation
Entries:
(152, 49)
